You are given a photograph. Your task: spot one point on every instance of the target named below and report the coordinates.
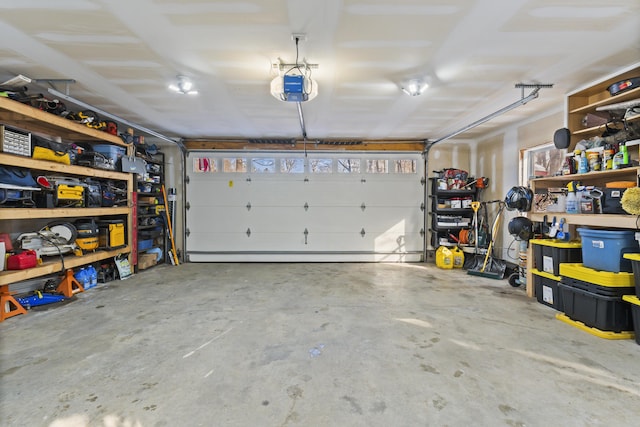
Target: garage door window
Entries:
(263, 165)
(292, 165)
(405, 166)
(205, 164)
(348, 165)
(321, 165)
(236, 164)
(378, 166)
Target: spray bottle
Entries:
(572, 205)
(621, 158)
(583, 166)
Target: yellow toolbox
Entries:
(69, 194)
(111, 233)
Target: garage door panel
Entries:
(311, 242)
(216, 194)
(383, 218)
(239, 219)
(225, 219)
(392, 194)
(370, 241)
(241, 242)
(385, 242)
(354, 194)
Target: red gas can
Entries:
(22, 261)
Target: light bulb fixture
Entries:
(184, 86)
(295, 84)
(415, 87)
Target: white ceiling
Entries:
(123, 55)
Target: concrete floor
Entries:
(310, 345)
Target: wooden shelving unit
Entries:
(576, 220)
(30, 119)
(587, 100)
(580, 103)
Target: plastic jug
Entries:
(444, 258)
(82, 276)
(93, 275)
(458, 257)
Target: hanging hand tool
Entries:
(545, 226)
(561, 234)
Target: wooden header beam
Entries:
(325, 145)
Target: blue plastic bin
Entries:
(143, 245)
(604, 249)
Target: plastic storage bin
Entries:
(635, 313)
(143, 245)
(604, 249)
(635, 266)
(112, 152)
(600, 278)
(546, 288)
(548, 254)
(595, 297)
(596, 311)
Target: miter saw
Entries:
(56, 238)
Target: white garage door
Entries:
(284, 206)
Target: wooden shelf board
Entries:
(591, 220)
(54, 265)
(40, 213)
(35, 120)
(590, 175)
(623, 97)
(596, 129)
(46, 166)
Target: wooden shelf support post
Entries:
(10, 306)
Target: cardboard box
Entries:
(146, 261)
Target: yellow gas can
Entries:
(444, 258)
(458, 257)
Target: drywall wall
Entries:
(450, 154)
(498, 157)
(539, 131)
(174, 163)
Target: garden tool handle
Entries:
(475, 206)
